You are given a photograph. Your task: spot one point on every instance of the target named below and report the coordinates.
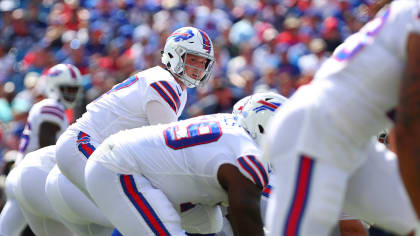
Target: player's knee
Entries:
(95, 175)
(31, 180)
(64, 149)
(60, 155)
(92, 171)
(162, 206)
(202, 219)
(52, 189)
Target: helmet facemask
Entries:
(64, 84)
(203, 73)
(69, 95)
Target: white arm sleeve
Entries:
(158, 113)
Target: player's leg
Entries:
(73, 148)
(131, 203)
(310, 199)
(46, 226)
(12, 221)
(376, 192)
(347, 225)
(79, 213)
(312, 162)
(35, 206)
(266, 192)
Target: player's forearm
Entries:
(407, 127)
(376, 6)
(246, 220)
(244, 201)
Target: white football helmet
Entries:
(188, 40)
(257, 111)
(239, 105)
(64, 83)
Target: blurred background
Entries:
(259, 45)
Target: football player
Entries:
(322, 142)
(154, 172)
(31, 174)
(46, 121)
(156, 95)
(347, 223)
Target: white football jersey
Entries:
(182, 158)
(361, 80)
(47, 110)
(124, 106)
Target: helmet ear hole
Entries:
(170, 55)
(261, 129)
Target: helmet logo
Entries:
(178, 35)
(266, 106)
(54, 73)
(206, 41)
(73, 74)
(83, 139)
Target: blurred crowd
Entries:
(259, 45)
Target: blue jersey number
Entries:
(357, 42)
(126, 83)
(24, 139)
(177, 137)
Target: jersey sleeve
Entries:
(167, 93)
(157, 113)
(254, 169)
(414, 21)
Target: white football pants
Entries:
(30, 193)
(12, 221)
(73, 149)
(320, 171)
(131, 203)
(80, 214)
